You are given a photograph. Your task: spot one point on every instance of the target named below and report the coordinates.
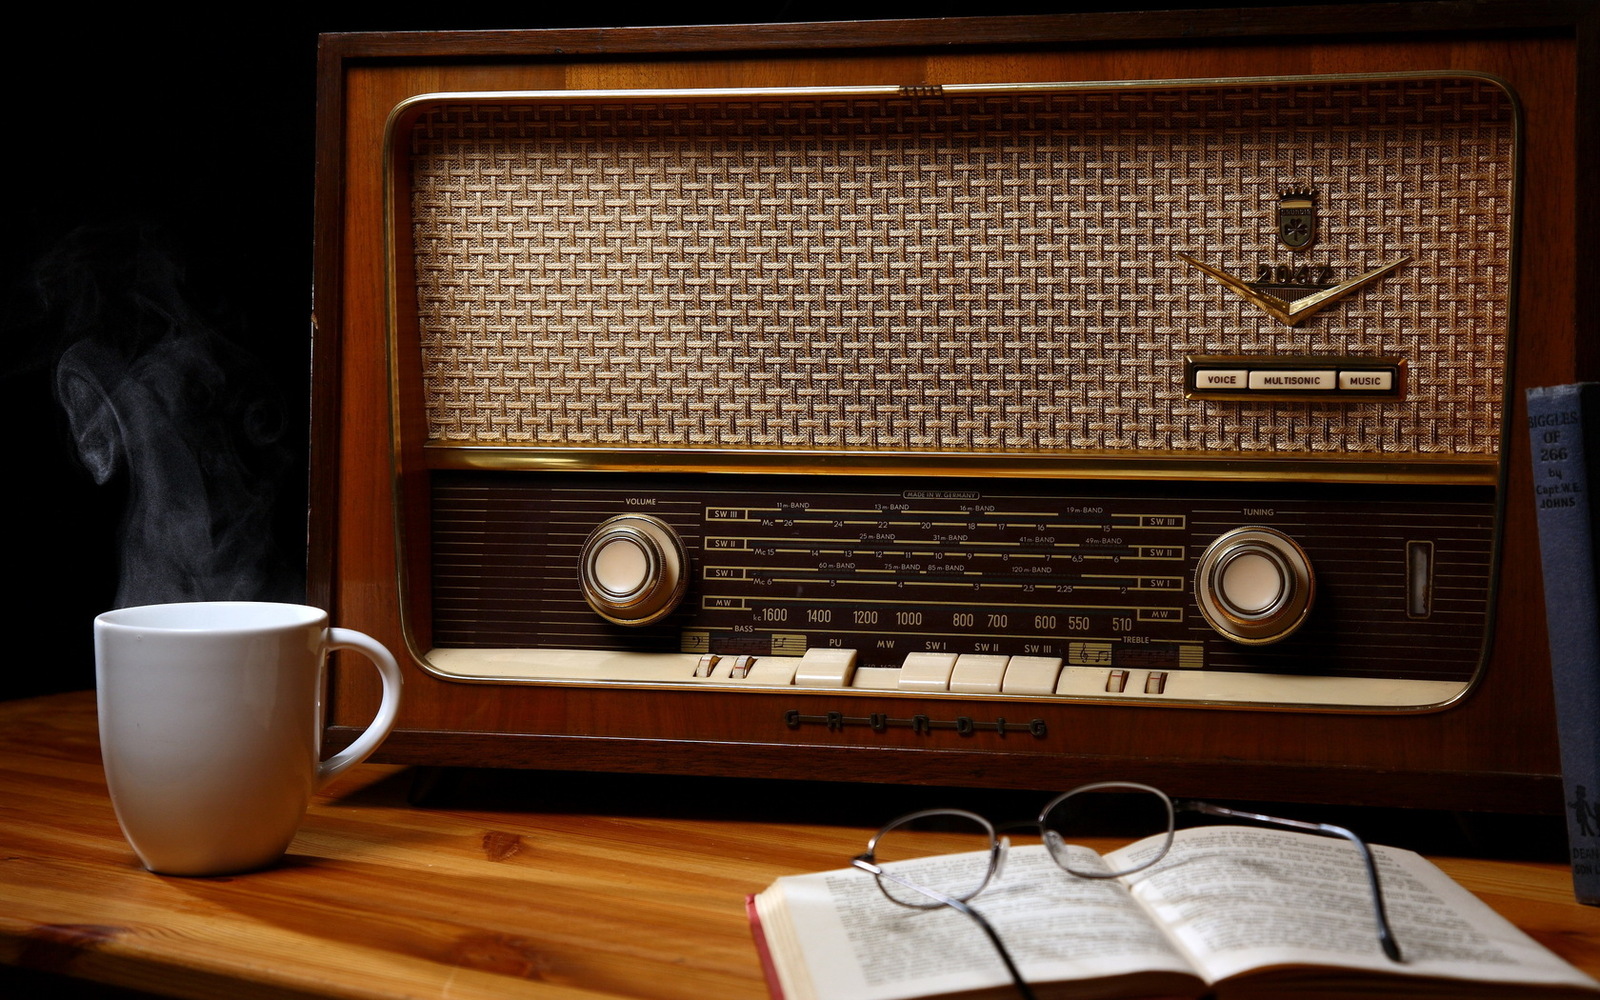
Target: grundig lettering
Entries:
(879, 722)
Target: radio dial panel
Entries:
(1013, 589)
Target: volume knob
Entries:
(632, 569)
(1254, 585)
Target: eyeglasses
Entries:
(982, 852)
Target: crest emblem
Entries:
(1297, 220)
(1293, 293)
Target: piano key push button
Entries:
(632, 570)
(1254, 585)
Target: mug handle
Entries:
(389, 670)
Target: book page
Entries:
(1240, 897)
(857, 945)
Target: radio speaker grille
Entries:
(976, 272)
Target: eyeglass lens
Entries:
(1116, 809)
(949, 852)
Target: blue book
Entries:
(1564, 424)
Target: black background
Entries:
(198, 135)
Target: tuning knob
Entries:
(632, 569)
(1254, 585)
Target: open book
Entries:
(1230, 912)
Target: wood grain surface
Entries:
(1448, 759)
(496, 884)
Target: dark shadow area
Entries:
(24, 984)
(1480, 835)
(201, 141)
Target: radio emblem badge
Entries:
(1297, 220)
(1292, 294)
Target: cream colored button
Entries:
(773, 670)
(1292, 381)
(1031, 675)
(1366, 381)
(1219, 378)
(927, 671)
(978, 673)
(825, 667)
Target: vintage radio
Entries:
(1000, 401)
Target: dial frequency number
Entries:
(893, 575)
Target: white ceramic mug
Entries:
(211, 719)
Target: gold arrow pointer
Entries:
(1293, 313)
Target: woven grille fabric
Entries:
(974, 272)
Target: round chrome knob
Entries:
(632, 569)
(1254, 585)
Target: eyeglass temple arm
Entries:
(1385, 935)
(866, 865)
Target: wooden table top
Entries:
(527, 884)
